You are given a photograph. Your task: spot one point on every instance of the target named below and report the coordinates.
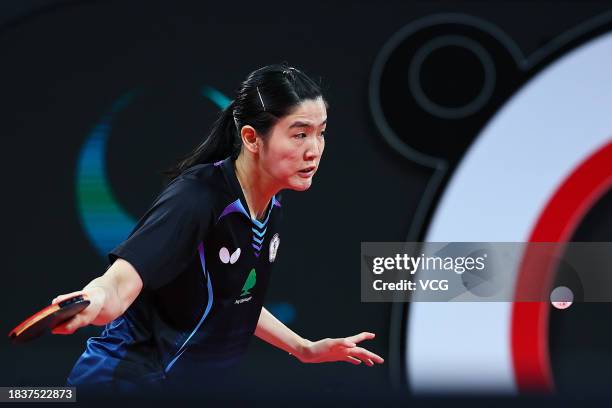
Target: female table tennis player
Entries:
(185, 292)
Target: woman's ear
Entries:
(249, 138)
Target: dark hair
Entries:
(268, 94)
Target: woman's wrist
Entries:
(302, 351)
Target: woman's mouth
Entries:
(307, 172)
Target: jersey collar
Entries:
(229, 171)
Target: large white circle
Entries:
(507, 176)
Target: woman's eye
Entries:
(300, 135)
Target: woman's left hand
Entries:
(341, 349)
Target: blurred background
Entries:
(448, 121)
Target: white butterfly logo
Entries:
(225, 257)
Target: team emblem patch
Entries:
(274, 243)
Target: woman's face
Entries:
(292, 152)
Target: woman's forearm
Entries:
(109, 295)
(273, 331)
(120, 286)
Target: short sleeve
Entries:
(165, 239)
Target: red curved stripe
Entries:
(557, 222)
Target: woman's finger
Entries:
(346, 343)
(362, 353)
(61, 298)
(71, 325)
(61, 329)
(77, 322)
(352, 360)
(361, 336)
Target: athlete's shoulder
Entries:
(201, 179)
(202, 172)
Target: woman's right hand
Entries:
(90, 315)
(109, 295)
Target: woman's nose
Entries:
(315, 148)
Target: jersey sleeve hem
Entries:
(133, 259)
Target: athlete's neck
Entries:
(258, 191)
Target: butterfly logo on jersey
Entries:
(274, 243)
(225, 256)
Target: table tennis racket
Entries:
(48, 318)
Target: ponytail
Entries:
(222, 141)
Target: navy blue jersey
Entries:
(205, 265)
